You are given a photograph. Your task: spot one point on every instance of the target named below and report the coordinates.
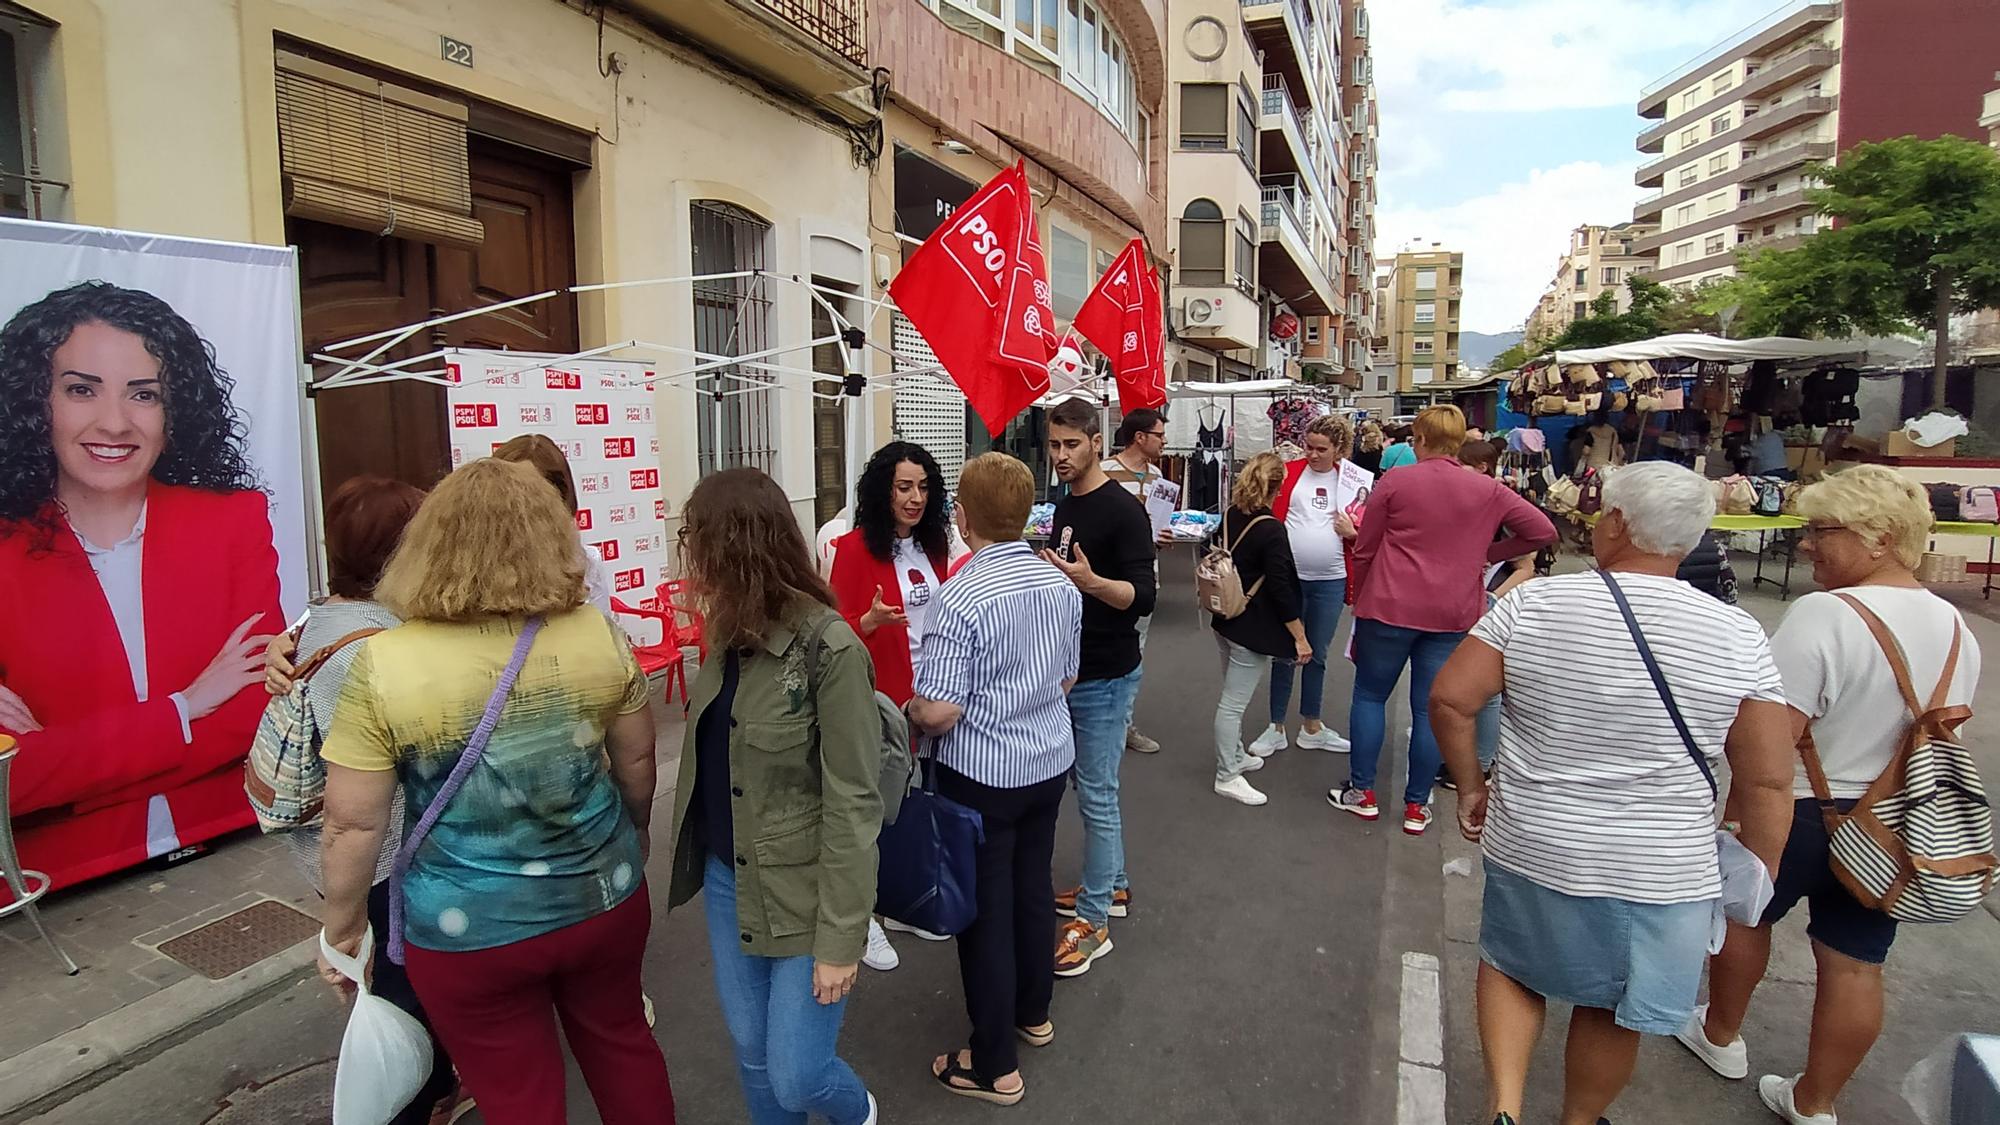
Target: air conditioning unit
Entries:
(1201, 312)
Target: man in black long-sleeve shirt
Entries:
(1103, 541)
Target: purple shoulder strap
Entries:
(475, 748)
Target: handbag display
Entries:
(927, 863)
(475, 749)
(1918, 846)
(1746, 890)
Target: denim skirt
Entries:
(1641, 961)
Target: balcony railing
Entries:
(1707, 58)
(836, 24)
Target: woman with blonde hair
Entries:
(1866, 529)
(542, 454)
(516, 722)
(1268, 627)
(1425, 542)
(779, 799)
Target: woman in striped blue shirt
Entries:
(992, 682)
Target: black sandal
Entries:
(952, 1074)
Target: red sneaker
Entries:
(1360, 802)
(1416, 818)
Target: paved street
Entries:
(1260, 978)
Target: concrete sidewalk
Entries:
(1942, 980)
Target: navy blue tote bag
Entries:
(929, 861)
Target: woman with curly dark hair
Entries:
(885, 576)
(779, 799)
(136, 563)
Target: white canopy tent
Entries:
(1252, 427)
(1699, 345)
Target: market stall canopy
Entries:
(1699, 345)
(1246, 387)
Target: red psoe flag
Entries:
(978, 292)
(1122, 317)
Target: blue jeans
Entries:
(1099, 711)
(1380, 653)
(1323, 599)
(784, 1038)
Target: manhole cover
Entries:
(226, 947)
(302, 1097)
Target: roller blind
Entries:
(363, 153)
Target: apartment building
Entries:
(1731, 132)
(1420, 305)
(1598, 260)
(1073, 87)
(1258, 186)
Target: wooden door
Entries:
(355, 283)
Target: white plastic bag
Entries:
(1746, 888)
(385, 1057)
(1935, 428)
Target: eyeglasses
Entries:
(1160, 434)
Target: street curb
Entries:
(77, 1060)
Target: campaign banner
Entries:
(152, 533)
(599, 412)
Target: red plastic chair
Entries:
(666, 656)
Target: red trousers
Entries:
(496, 1011)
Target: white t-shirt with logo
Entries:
(918, 581)
(1837, 676)
(1316, 546)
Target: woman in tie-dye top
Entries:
(527, 900)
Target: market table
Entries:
(1764, 526)
(1987, 531)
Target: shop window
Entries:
(732, 317)
(1203, 257)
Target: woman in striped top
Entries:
(1599, 834)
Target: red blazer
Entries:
(856, 574)
(82, 785)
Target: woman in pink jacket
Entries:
(1423, 547)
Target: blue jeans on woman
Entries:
(1380, 653)
(784, 1038)
(1323, 598)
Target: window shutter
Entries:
(361, 153)
(930, 409)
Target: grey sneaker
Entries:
(1140, 743)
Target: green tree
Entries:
(1916, 238)
(1514, 357)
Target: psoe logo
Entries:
(584, 521)
(608, 549)
(629, 579)
(593, 484)
(622, 514)
(621, 447)
(475, 415)
(593, 414)
(645, 478)
(637, 414)
(537, 414)
(563, 380)
(659, 509)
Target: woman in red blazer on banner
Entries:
(138, 583)
(886, 574)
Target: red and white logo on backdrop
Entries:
(621, 447)
(564, 380)
(475, 415)
(1122, 316)
(978, 292)
(644, 478)
(593, 414)
(583, 519)
(609, 549)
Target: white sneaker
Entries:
(880, 955)
(1237, 789)
(1252, 763)
(906, 928)
(1777, 1095)
(873, 1110)
(1326, 738)
(1270, 742)
(1730, 1061)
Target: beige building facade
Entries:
(1730, 136)
(1424, 292)
(1598, 260)
(595, 145)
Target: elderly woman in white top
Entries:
(1866, 528)
(1599, 823)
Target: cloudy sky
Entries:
(1506, 123)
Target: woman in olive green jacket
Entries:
(779, 801)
